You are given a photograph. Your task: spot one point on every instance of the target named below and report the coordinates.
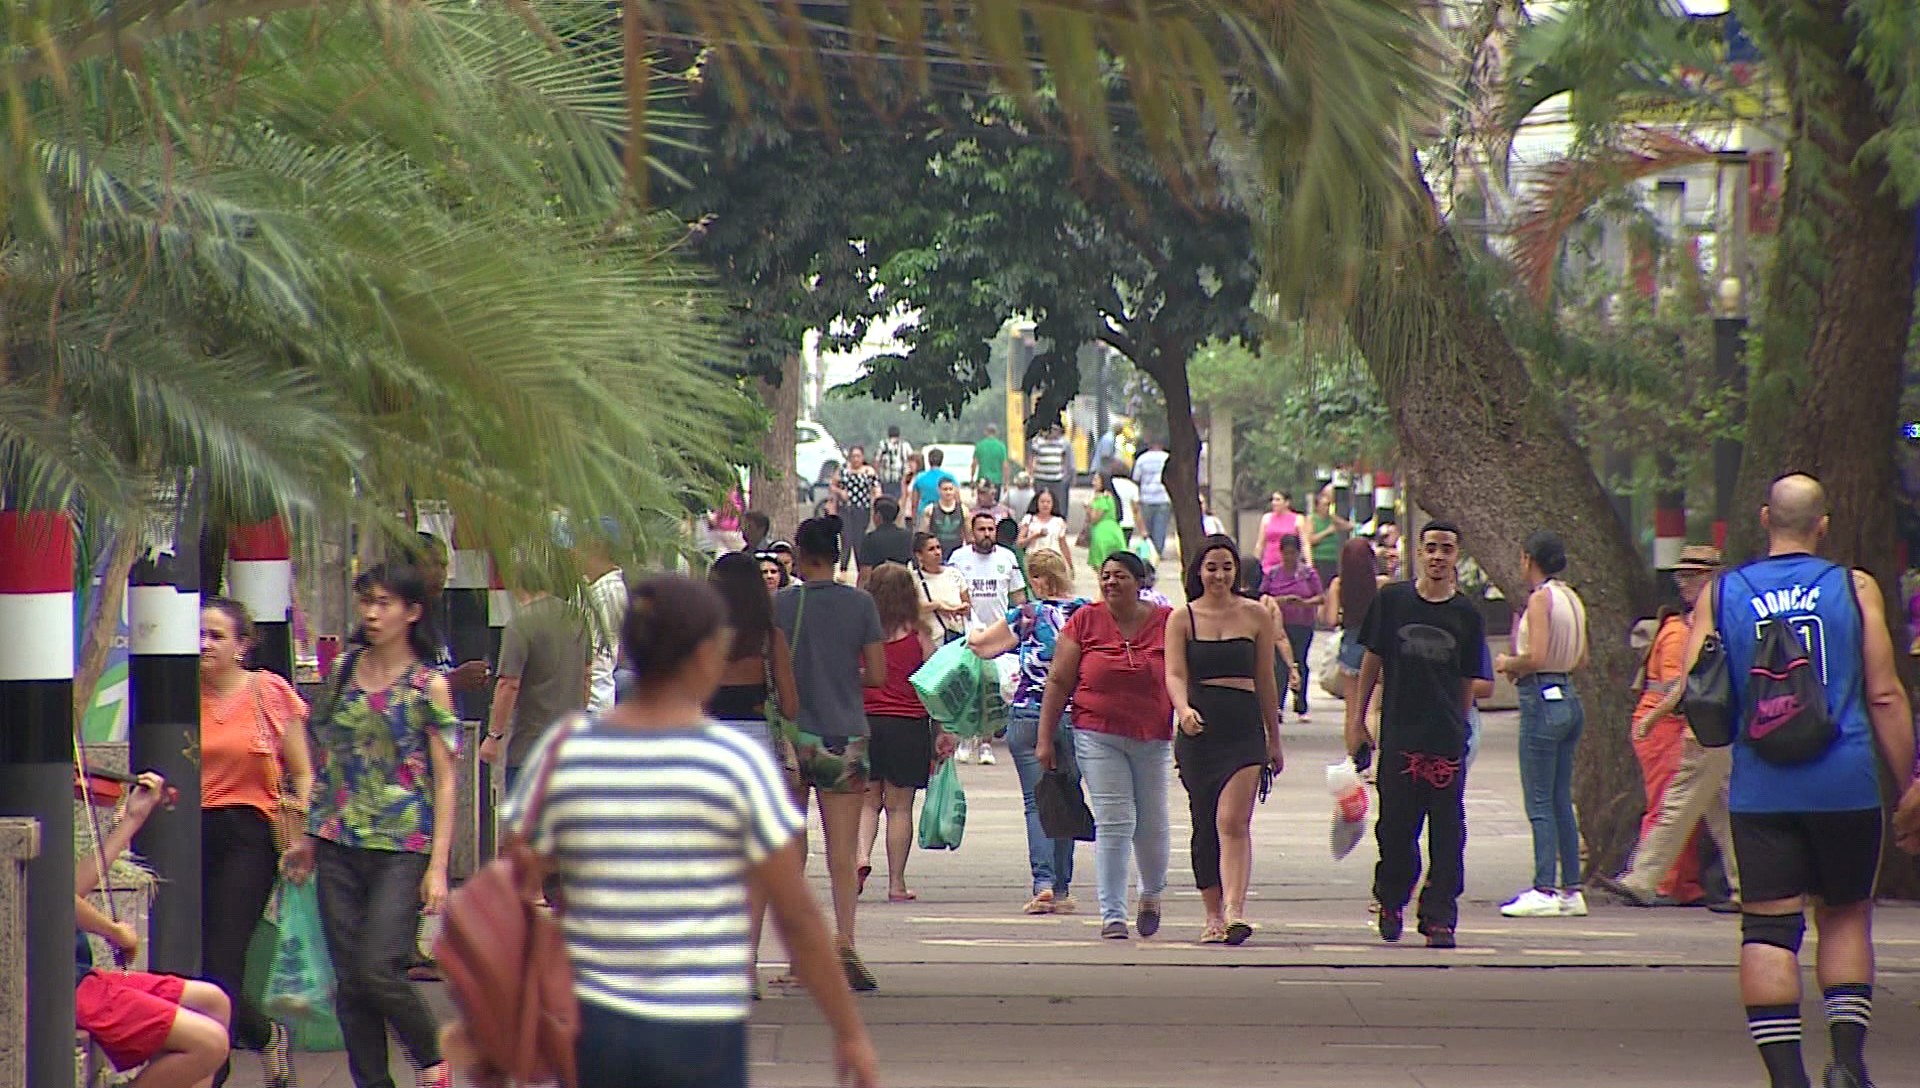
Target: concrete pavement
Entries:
(975, 994)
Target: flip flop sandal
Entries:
(902, 897)
(860, 876)
(1238, 932)
(1211, 935)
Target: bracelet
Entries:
(496, 736)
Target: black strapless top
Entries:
(738, 702)
(1218, 658)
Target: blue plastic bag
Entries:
(300, 984)
(943, 822)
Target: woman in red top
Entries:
(254, 764)
(1110, 663)
(901, 747)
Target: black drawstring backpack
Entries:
(1786, 716)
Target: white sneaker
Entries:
(1532, 903)
(963, 751)
(986, 753)
(1573, 904)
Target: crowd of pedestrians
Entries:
(681, 730)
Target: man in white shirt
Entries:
(606, 611)
(992, 576)
(1156, 505)
(991, 573)
(1128, 493)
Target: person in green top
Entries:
(1327, 532)
(990, 458)
(1104, 536)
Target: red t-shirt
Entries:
(896, 698)
(1123, 683)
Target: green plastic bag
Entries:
(943, 821)
(961, 691)
(300, 983)
(315, 1035)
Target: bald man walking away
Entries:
(1808, 829)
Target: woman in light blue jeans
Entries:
(1032, 630)
(1550, 643)
(1110, 662)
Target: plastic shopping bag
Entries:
(949, 684)
(1063, 808)
(1349, 792)
(300, 983)
(943, 822)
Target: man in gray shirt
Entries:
(544, 653)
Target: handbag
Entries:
(1063, 809)
(1708, 702)
(289, 817)
(948, 634)
(505, 959)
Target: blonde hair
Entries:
(1048, 572)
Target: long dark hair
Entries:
(1357, 585)
(1214, 543)
(404, 581)
(736, 576)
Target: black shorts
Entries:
(1831, 856)
(899, 750)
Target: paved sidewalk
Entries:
(976, 995)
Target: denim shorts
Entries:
(1352, 652)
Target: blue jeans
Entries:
(619, 1051)
(1549, 732)
(1158, 517)
(1051, 860)
(1127, 789)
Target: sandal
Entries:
(1238, 931)
(1213, 934)
(903, 896)
(1041, 903)
(860, 876)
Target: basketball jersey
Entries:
(1817, 599)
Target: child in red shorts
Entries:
(175, 1027)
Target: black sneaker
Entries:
(1147, 918)
(1613, 886)
(1837, 1077)
(1439, 936)
(859, 979)
(1724, 906)
(1392, 924)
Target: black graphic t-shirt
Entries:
(1427, 651)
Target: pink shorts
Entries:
(129, 1014)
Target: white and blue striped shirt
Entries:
(651, 835)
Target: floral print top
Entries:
(373, 775)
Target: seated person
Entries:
(176, 1027)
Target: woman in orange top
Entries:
(1659, 740)
(254, 764)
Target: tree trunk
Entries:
(772, 483)
(102, 619)
(1491, 455)
(1168, 369)
(1825, 392)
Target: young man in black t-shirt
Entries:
(1427, 642)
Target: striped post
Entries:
(163, 734)
(499, 609)
(468, 575)
(37, 768)
(1385, 496)
(260, 577)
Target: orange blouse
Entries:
(1666, 666)
(240, 741)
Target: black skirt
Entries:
(900, 750)
(1233, 737)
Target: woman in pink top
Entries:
(1276, 524)
(1110, 662)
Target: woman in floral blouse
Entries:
(382, 823)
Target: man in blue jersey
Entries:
(1809, 831)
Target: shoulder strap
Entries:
(340, 675)
(1193, 628)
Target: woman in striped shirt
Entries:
(657, 821)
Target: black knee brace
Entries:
(1779, 930)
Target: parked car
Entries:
(816, 457)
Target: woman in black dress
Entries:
(1226, 705)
